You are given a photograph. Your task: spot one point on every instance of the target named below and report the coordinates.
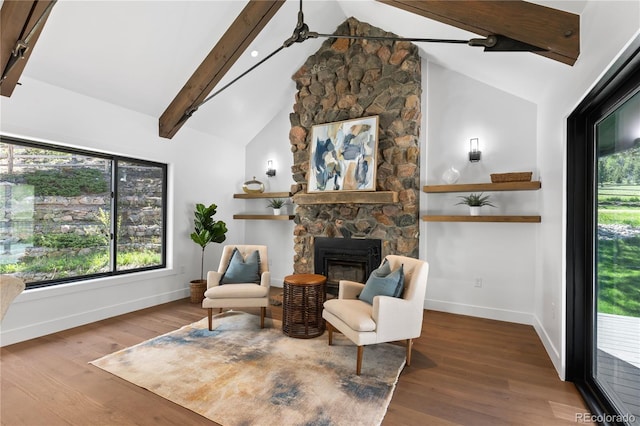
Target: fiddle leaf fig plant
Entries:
(475, 200)
(207, 230)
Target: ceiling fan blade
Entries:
(500, 43)
(390, 38)
(492, 43)
(189, 112)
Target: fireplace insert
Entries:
(345, 259)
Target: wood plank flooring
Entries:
(464, 371)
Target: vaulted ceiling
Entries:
(140, 54)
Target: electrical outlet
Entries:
(478, 283)
(553, 310)
(182, 269)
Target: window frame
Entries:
(113, 189)
(617, 85)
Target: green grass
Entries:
(68, 266)
(619, 260)
(611, 216)
(137, 259)
(619, 277)
(619, 190)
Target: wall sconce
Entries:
(271, 171)
(474, 150)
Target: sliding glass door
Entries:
(603, 244)
(616, 307)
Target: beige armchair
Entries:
(10, 288)
(388, 319)
(238, 294)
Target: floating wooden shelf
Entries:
(263, 195)
(264, 216)
(502, 186)
(451, 218)
(345, 197)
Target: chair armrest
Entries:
(349, 289)
(396, 318)
(213, 278)
(265, 279)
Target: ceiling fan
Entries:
(491, 43)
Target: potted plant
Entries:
(206, 230)
(475, 201)
(276, 204)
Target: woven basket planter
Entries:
(198, 287)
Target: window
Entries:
(68, 215)
(603, 244)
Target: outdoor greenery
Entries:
(619, 276)
(58, 241)
(64, 182)
(620, 168)
(619, 257)
(82, 264)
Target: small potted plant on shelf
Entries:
(276, 204)
(206, 230)
(475, 201)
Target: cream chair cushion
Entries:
(10, 288)
(238, 295)
(388, 318)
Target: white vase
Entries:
(450, 176)
(276, 212)
(474, 210)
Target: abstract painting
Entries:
(344, 156)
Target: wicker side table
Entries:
(303, 297)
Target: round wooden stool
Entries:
(303, 297)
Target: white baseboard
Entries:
(552, 351)
(33, 330)
(479, 311)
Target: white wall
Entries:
(606, 27)
(523, 266)
(272, 143)
(502, 255)
(200, 170)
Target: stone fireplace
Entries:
(348, 79)
(348, 259)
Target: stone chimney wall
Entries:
(347, 79)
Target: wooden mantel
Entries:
(347, 197)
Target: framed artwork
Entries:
(343, 156)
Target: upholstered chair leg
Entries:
(359, 360)
(330, 333)
(263, 312)
(409, 348)
(210, 315)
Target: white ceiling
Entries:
(139, 54)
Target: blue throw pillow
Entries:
(383, 282)
(242, 270)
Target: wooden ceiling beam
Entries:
(17, 18)
(224, 54)
(554, 30)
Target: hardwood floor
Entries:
(464, 371)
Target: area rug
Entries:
(239, 374)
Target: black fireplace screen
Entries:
(345, 259)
